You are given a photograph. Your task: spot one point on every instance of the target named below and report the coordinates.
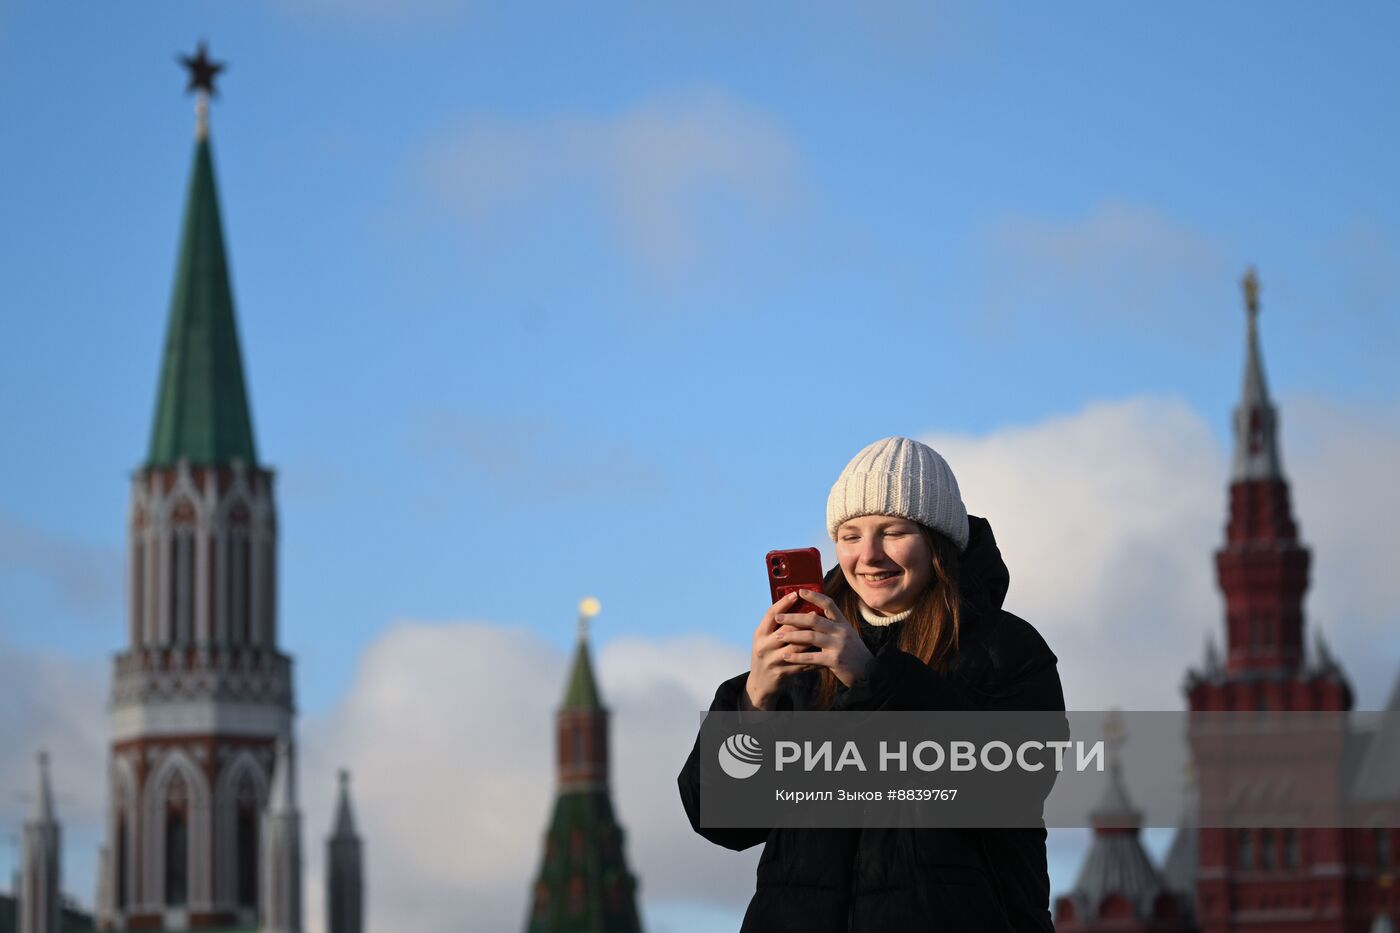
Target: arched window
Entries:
(138, 591)
(176, 842)
(122, 868)
(182, 574)
(238, 574)
(176, 856)
(247, 841)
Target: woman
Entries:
(911, 619)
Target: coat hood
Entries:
(983, 579)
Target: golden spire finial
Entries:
(1251, 292)
(588, 607)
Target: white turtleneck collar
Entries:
(880, 621)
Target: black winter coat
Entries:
(896, 880)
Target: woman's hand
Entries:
(838, 645)
(768, 665)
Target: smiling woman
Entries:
(910, 620)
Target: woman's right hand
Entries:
(766, 666)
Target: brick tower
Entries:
(201, 695)
(583, 885)
(1312, 880)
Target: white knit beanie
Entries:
(899, 476)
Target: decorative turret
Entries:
(40, 901)
(281, 888)
(1263, 572)
(583, 884)
(345, 896)
(1118, 887)
(583, 723)
(1263, 568)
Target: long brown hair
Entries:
(931, 631)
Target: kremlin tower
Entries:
(1220, 880)
(583, 885)
(1316, 879)
(201, 703)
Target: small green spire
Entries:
(582, 692)
(202, 410)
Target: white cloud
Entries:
(1119, 262)
(1106, 519)
(662, 174)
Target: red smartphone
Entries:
(797, 569)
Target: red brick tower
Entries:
(1310, 880)
(584, 884)
(201, 694)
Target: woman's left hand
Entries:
(836, 644)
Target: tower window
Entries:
(239, 582)
(247, 858)
(138, 591)
(176, 856)
(181, 585)
(121, 862)
(176, 843)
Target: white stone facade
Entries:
(200, 698)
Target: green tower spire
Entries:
(202, 410)
(584, 884)
(582, 692)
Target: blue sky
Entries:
(539, 304)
